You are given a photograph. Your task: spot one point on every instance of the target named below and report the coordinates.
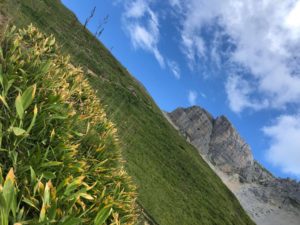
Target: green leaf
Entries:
(52, 163)
(77, 182)
(46, 199)
(9, 189)
(35, 111)
(86, 196)
(102, 215)
(52, 210)
(20, 214)
(30, 203)
(8, 86)
(71, 221)
(4, 102)
(19, 107)
(78, 134)
(45, 67)
(28, 96)
(52, 42)
(59, 117)
(49, 175)
(13, 206)
(32, 175)
(42, 214)
(3, 204)
(4, 214)
(18, 131)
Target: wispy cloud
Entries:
(142, 25)
(136, 9)
(192, 97)
(284, 146)
(174, 67)
(238, 91)
(265, 36)
(193, 48)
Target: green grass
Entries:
(175, 185)
(56, 145)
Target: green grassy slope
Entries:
(175, 185)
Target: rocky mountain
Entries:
(267, 199)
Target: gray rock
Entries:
(216, 139)
(265, 197)
(196, 125)
(228, 151)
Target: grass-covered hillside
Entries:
(175, 186)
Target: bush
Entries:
(57, 148)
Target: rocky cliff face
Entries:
(219, 142)
(228, 151)
(267, 199)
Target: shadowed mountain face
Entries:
(267, 199)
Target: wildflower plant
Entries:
(59, 152)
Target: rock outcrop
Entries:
(267, 199)
(228, 151)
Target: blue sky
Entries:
(235, 58)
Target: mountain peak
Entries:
(216, 138)
(264, 197)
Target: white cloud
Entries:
(142, 25)
(293, 20)
(192, 97)
(238, 91)
(266, 39)
(136, 9)
(177, 6)
(193, 48)
(284, 150)
(174, 67)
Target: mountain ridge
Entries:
(231, 157)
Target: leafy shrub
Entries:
(57, 148)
